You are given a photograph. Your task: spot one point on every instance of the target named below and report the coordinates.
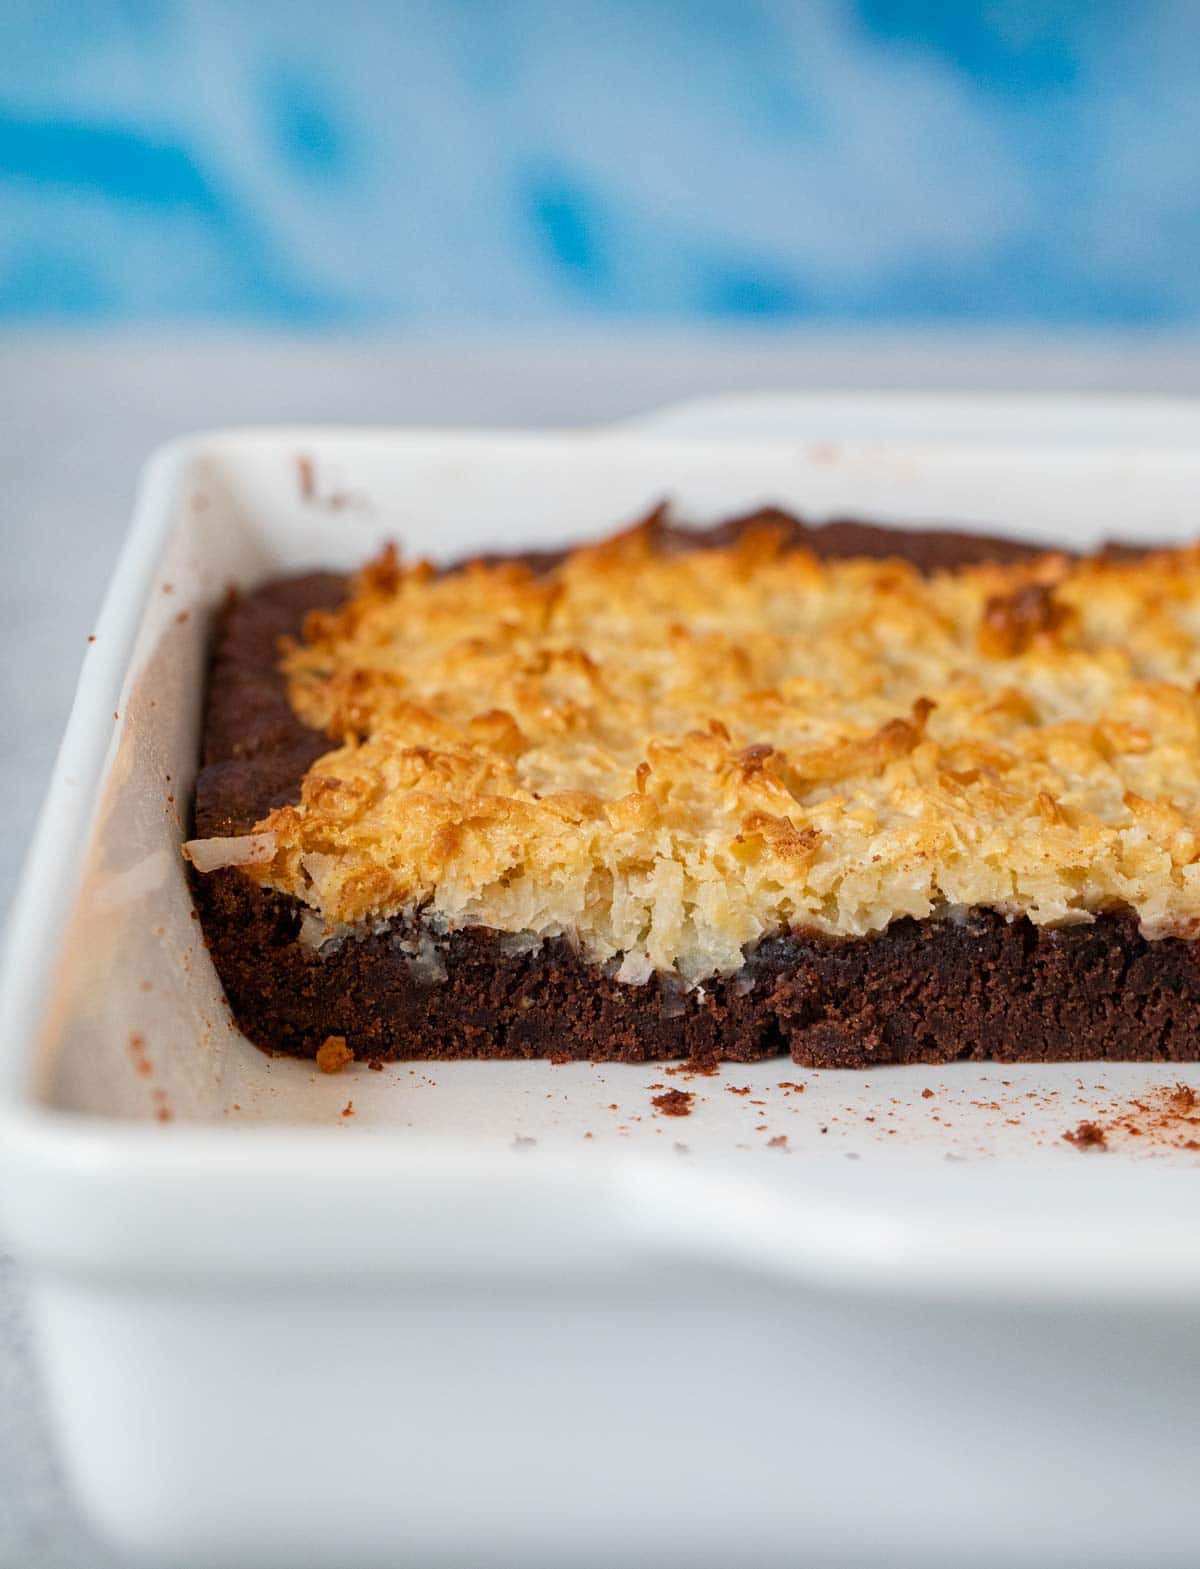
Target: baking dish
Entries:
(500, 1312)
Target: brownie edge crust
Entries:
(921, 991)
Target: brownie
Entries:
(976, 987)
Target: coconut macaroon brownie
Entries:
(861, 795)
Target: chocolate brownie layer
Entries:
(928, 991)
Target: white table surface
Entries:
(79, 413)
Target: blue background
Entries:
(468, 164)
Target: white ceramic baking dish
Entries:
(504, 1313)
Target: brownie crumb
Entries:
(926, 1094)
(1182, 1099)
(674, 1103)
(787, 1084)
(1161, 1115)
(779, 1142)
(348, 1109)
(1087, 1136)
(737, 1089)
(333, 1054)
(375, 1065)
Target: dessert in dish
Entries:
(857, 794)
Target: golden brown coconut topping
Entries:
(665, 755)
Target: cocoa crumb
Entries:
(1087, 1136)
(779, 1142)
(333, 1054)
(674, 1103)
(1163, 1115)
(926, 1094)
(91, 637)
(1182, 1098)
(137, 1050)
(693, 1068)
(348, 1109)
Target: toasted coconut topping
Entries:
(665, 755)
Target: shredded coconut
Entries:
(210, 855)
(666, 756)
